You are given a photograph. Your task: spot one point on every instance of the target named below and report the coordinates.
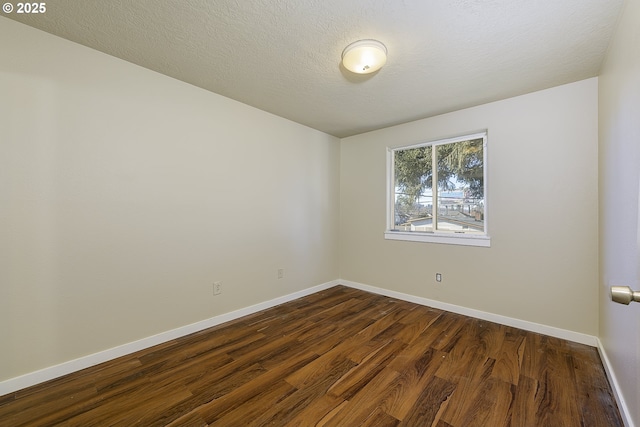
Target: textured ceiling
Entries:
(283, 56)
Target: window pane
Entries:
(413, 195)
(460, 197)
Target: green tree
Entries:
(460, 161)
(463, 161)
(413, 171)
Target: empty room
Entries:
(320, 213)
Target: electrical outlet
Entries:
(280, 273)
(217, 288)
(438, 277)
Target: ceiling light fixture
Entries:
(364, 56)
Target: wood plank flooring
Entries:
(341, 357)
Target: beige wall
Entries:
(542, 210)
(124, 194)
(619, 197)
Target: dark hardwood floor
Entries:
(341, 357)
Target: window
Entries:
(436, 192)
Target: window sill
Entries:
(448, 239)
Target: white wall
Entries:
(124, 194)
(542, 266)
(619, 220)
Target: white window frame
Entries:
(436, 236)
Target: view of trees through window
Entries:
(440, 187)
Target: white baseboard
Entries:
(625, 413)
(18, 383)
(504, 320)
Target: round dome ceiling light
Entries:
(364, 56)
